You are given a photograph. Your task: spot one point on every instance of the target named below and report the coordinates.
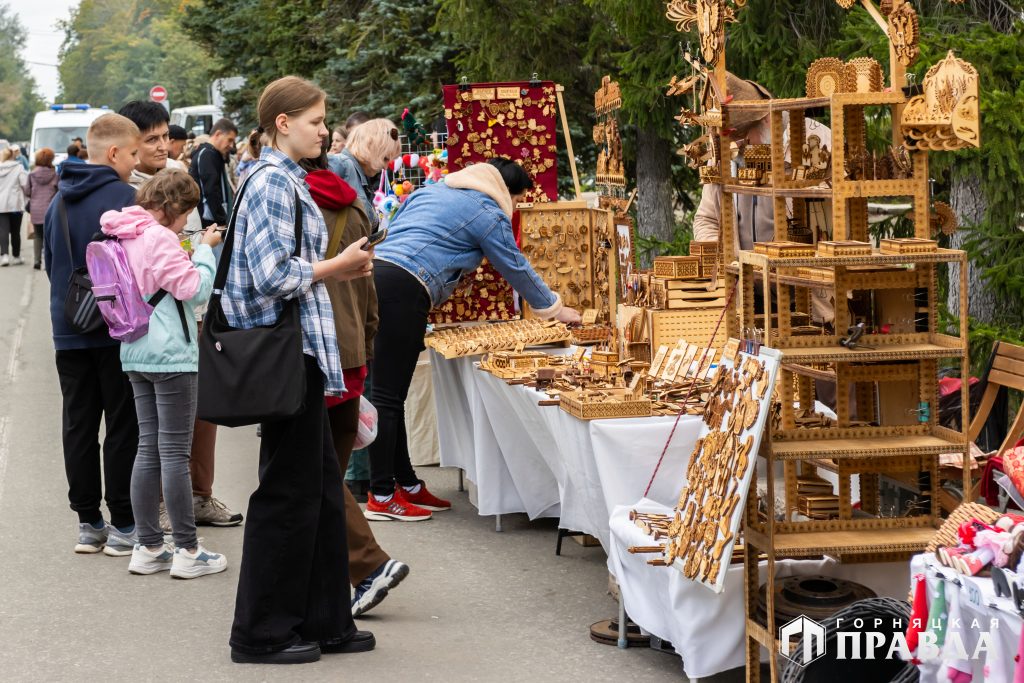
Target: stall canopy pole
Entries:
(568, 139)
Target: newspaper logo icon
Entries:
(812, 636)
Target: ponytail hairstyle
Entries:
(290, 95)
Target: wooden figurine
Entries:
(816, 158)
(946, 116)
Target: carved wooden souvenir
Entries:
(943, 219)
(827, 76)
(865, 75)
(904, 33)
(945, 116)
(709, 16)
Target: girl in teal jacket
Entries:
(163, 367)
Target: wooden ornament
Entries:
(865, 75)
(827, 76)
(904, 33)
(946, 115)
(943, 219)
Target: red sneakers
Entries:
(395, 509)
(423, 499)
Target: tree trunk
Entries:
(654, 184)
(970, 206)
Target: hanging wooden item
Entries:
(946, 116)
(846, 4)
(864, 74)
(943, 219)
(608, 98)
(827, 76)
(709, 16)
(904, 33)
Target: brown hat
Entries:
(742, 89)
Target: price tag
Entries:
(589, 316)
(508, 93)
(520, 347)
(483, 94)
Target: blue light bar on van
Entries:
(67, 107)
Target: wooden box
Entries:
(785, 249)
(608, 404)
(695, 326)
(844, 248)
(710, 257)
(677, 267)
(604, 363)
(524, 359)
(908, 245)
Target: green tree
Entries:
(115, 51)
(19, 97)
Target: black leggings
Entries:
(403, 306)
(10, 230)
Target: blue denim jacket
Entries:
(440, 233)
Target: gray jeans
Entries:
(166, 408)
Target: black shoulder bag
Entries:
(248, 376)
(80, 310)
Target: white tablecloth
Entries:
(707, 629)
(546, 463)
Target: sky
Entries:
(42, 39)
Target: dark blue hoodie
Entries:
(89, 190)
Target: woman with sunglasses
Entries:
(369, 148)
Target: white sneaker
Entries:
(187, 565)
(17, 261)
(5, 260)
(146, 561)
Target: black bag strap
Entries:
(158, 297)
(229, 241)
(62, 213)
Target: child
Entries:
(163, 368)
(92, 383)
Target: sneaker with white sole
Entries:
(374, 588)
(146, 561)
(119, 544)
(5, 260)
(17, 261)
(211, 512)
(188, 565)
(90, 539)
(393, 509)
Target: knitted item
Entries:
(918, 615)
(937, 612)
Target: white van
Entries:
(198, 119)
(57, 126)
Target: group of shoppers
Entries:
(363, 314)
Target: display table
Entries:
(706, 628)
(976, 601)
(542, 461)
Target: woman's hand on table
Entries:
(568, 316)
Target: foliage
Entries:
(115, 51)
(649, 246)
(19, 98)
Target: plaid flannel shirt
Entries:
(264, 274)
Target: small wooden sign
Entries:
(731, 350)
(589, 316)
(580, 352)
(483, 94)
(520, 347)
(508, 93)
(659, 360)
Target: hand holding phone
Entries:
(375, 239)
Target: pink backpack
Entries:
(117, 293)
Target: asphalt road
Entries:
(477, 606)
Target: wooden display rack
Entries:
(476, 340)
(570, 247)
(906, 449)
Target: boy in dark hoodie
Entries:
(89, 365)
(210, 171)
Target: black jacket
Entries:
(89, 190)
(209, 170)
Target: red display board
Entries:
(516, 120)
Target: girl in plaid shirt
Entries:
(293, 600)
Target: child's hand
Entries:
(212, 236)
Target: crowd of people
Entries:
(248, 229)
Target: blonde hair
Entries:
(290, 95)
(172, 191)
(373, 144)
(6, 155)
(110, 130)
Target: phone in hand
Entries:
(375, 239)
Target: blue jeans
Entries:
(166, 408)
